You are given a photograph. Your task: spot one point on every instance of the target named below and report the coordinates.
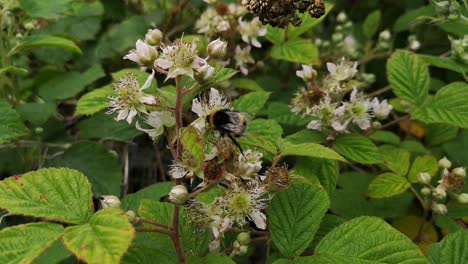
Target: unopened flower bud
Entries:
(413, 43)
(154, 37)
(454, 10)
(243, 238)
(439, 193)
(110, 201)
(425, 191)
(178, 194)
(442, 8)
(376, 125)
(318, 42)
(243, 250)
(132, 217)
(459, 171)
(38, 130)
(217, 49)
(424, 178)
(204, 73)
(444, 163)
(337, 37)
(385, 35)
(144, 54)
(342, 17)
(338, 28)
(439, 208)
(236, 244)
(463, 198)
(348, 25)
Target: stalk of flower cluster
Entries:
(178, 117)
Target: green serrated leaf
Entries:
(409, 76)
(96, 162)
(146, 255)
(47, 41)
(69, 84)
(357, 148)
(12, 127)
(309, 150)
(105, 239)
(426, 164)
(387, 185)
(350, 200)
(445, 63)
(94, 101)
(251, 103)
(385, 137)
(154, 192)
(306, 136)
(13, 69)
(448, 106)
(104, 126)
(396, 159)
(437, 134)
(318, 171)
(57, 194)
(451, 250)
(296, 50)
(371, 24)
(213, 258)
(36, 113)
(265, 127)
(48, 9)
(410, 18)
(283, 115)
(24, 243)
(246, 84)
(295, 215)
(193, 143)
(368, 240)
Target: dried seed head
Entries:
(278, 178)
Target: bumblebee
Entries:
(228, 123)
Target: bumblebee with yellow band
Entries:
(228, 123)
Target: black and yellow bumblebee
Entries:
(228, 123)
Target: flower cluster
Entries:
(228, 22)
(332, 114)
(450, 182)
(460, 49)
(245, 192)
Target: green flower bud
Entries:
(424, 178)
(243, 238)
(132, 217)
(154, 37)
(439, 208)
(439, 193)
(217, 49)
(243, 250)
(463, 198)
(425, 191)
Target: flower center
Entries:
(240, 203)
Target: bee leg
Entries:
(236, 143)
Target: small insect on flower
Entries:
(228, 123)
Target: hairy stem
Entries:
(179, 125)
(174, 13)
(155, 229)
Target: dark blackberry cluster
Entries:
(279, 13)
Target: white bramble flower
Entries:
(180, 58)
(307, 73)
(157, 120)
(358, 108)
(242, 203)
(249, 164)
(381, 109)
(219, 226)
(210, 22)
(315, 125)
(144, 54)
(251, 30)
(130, 98)
(205, 106)
(242, 58)
(342, 71)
